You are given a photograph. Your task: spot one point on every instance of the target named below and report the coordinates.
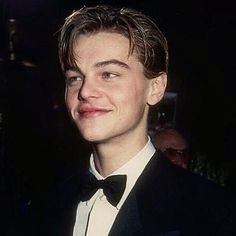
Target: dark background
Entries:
(40, 146)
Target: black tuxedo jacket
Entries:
(165, 201)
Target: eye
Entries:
(73, 80)
(108, 75)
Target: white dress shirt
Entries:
(96, 216)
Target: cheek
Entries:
(139, 96)
(131, 103)
(70, 98)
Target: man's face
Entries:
(107, 95)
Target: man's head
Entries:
(115, 64)
(145, 38)
(173, 145)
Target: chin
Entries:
(92, 137)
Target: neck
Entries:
(111, 155)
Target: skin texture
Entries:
(108, 98)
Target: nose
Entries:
(88, 90)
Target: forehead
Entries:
(102, 46)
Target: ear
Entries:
(157, 88)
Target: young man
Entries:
(115, 65)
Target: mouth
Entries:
(92, 112)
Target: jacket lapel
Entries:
(156, 198)
(149, 208)
(127, 221)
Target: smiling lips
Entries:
(91, 112)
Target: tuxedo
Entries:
(165, 201)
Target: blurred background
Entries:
(40, 146)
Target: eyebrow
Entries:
(99, 64)
(112, 62)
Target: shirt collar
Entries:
(132, 169)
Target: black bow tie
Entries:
(113, 187)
